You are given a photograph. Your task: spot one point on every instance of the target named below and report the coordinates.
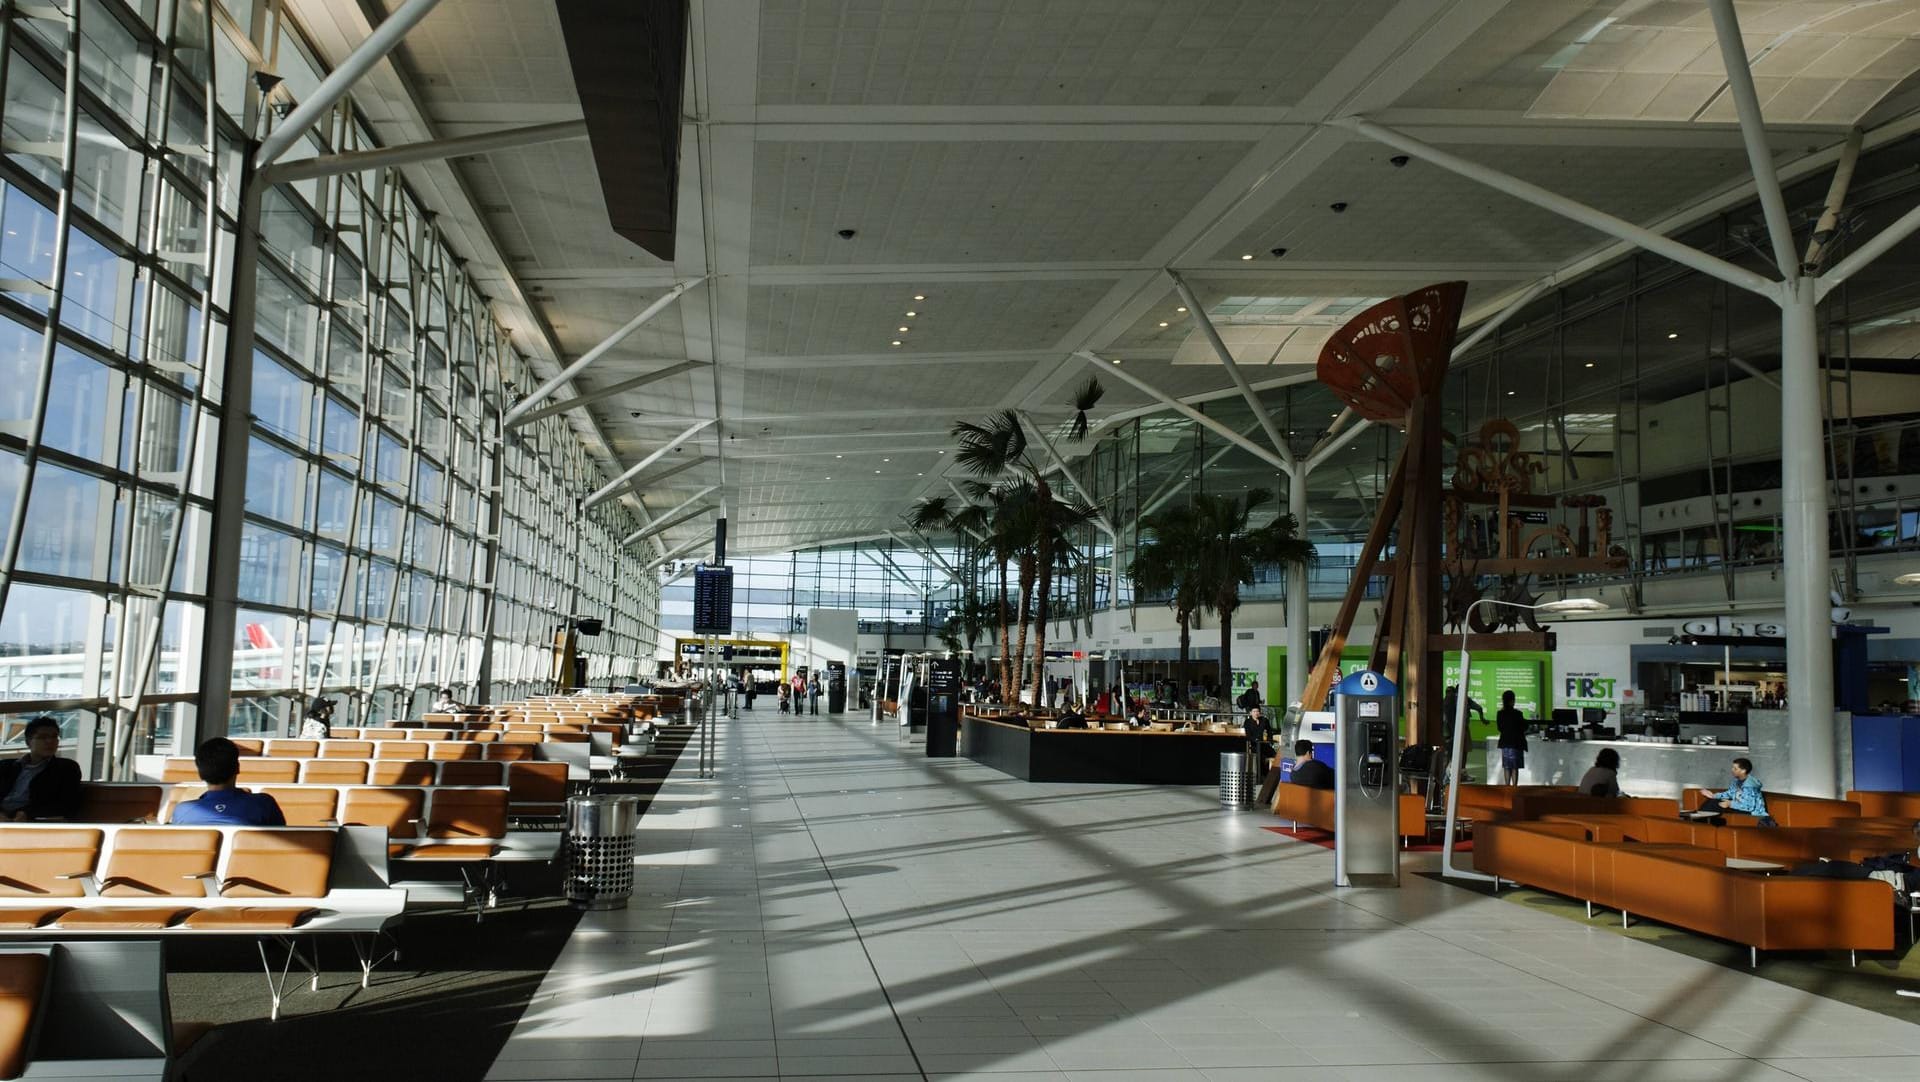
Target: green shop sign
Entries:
(1524, 672)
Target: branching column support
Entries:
(1804, 488)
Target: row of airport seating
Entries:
(532, 790)
(390, 771)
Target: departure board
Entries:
(713, 600)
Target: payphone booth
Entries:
(836, 687)
(1366, 829)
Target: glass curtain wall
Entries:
(390, 534)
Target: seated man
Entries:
(40, 785)
(1309, 771)
(225, 804)
(1744, 795)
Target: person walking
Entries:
(813, 693)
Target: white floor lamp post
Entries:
(1568, 604)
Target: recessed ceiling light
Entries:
(910, 315)
(919, 296)
(1674, 334)
(1589, 364)
(839, 456)
(903, 330)
(1182, 308)
(886, 460)
(1510, 394)
(939, 452)
(896, 341)
(1163, 323)
(876, 471)
(1116, 360)
(919, 475)
(1246, 255)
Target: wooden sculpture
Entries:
(1388, 365)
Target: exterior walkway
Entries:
(835, 905)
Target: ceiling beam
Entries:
(610, 390)
(355, 161)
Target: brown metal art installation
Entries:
(1452, 544)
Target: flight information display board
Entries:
(713, 600)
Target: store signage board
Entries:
(713, 601)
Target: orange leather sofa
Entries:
(1688, 886)
(23, 979)
(1788, 809)
(1314, 808)
(1902, 805)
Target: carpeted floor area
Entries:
(442, 1011)
(1872, 984)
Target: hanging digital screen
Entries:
(713, 601)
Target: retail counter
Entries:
(1656, 770)
(1142, 757)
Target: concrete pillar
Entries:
(1804, 497)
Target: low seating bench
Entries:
(61, 880)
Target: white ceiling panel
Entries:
(1003, 315)
(1053, 52)
(975, 201)
(1421, 213)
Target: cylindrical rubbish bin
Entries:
(599, 850)
(1233, 779)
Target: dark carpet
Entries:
(442, 1011)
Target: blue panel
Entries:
(1880, 753)
(1909, 754)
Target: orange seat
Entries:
(346, 749)
(455, 749)
(383, 734)
(180, 770)
(23, 981)
(293, 749)
(264, 771)
(249, 745)
(510, 752)
(398, 810)
(401, 749)
(334, 772)
(305, 807)
(120, 918)
(400, 772)
(160, 862)
(101, 803)
(470, 819)
(537, 788)
(269, 863)
(470, 773)
(46, 863)
(522, 736)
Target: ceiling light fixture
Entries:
(1673, 334)
(910, 315)
(1182, 308)
(1163, 323)
(903, 330)
(839, 456)
(1589, 364)
(1510, 394)
(1246, 255)
(896, 341)
(919, 296)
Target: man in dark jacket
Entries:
(40, 785)
(1309, 771)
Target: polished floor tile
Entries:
(834, 904)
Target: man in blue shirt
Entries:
(1744, 795)
(225, 804)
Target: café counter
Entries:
(1123, 756)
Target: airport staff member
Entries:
(40, 784)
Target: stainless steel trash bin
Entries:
(1233, 779)
(599, 850)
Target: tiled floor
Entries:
(835, 905)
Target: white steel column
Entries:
(341, 79)
(1803, 515)
(521, 408)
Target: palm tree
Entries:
(968, 519)
(1035, 521)
(1169, 551)
(1230, 551)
